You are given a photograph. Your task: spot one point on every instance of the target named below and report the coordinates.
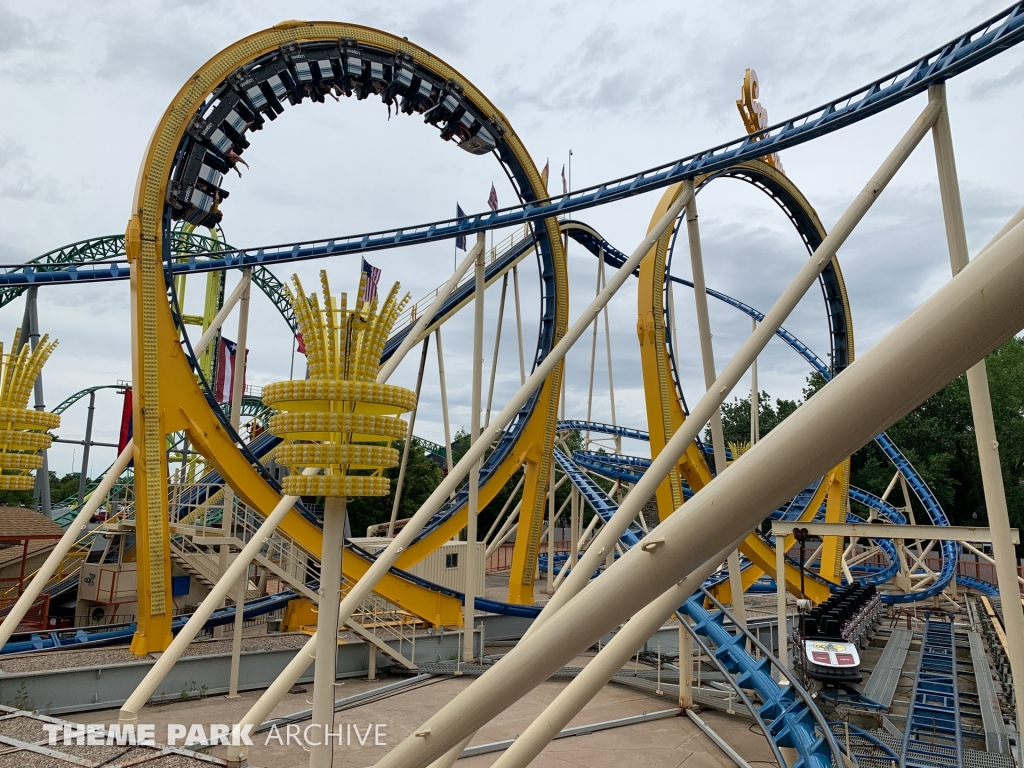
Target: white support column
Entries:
(400, 483)
(685, 666)
(608, 350)
(552, 518)
(565, 368)
(593, 358)
(574, 527)
(236, 637)
(472, 508)
(497, 346)
(237, 393)
(755, 397)
(981, 407)
(707, 354)
(444, 401)
(780, 593)
(325, 672)
(519, 326)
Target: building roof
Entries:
(19, 523)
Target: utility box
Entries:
(445, 566)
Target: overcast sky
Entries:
(625, 85)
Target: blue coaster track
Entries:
(973, 47)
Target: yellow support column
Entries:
(156, 607)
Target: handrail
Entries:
(754, 711)
(794, 683)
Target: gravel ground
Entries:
(23, 729)
(92, 657)
(177, 761)
(114, 753)
(26, 759)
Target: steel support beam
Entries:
(473, 507)
(877, 531)
(981, 404)
(953, 329)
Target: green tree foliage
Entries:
(736, 417)
(422, 476)
(937, 437)
(61, 488)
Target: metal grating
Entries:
(881, 686)
(996, 739)
(933, 737)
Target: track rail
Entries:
(975, 46)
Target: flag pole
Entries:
(291, 371)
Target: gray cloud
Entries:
(626, 85)
(444, 28)
(17, 179)
(993, 86)
(16, 31)
(167, 59)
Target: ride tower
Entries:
(23, 431)
(338, 426)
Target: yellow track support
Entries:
(665, 414)
(167, 398)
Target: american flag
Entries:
(372, 278)
(565, 187)
(227, 369)
(492, 199)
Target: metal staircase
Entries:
(787, 713)
(933, 737)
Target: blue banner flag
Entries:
(460, 241)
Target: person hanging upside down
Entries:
(234, 159)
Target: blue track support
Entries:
(122, 633)
(933, 736)
(984, 587)
(791, 724)
(567, 425)
(596, 497)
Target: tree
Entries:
(736, 417)
(60, 489)
(937, 437)
(422, 476)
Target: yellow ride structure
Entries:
(168, 399)
(23, 432)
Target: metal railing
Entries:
(413, 311)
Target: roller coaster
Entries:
(654, 547)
